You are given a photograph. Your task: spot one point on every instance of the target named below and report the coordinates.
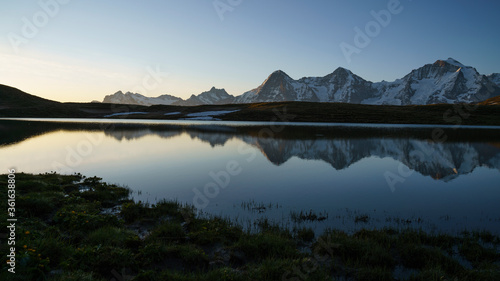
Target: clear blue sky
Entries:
(83, 50)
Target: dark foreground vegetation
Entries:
(77, 228)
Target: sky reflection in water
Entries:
(339, 172)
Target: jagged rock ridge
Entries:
(444, 81)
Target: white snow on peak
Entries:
(454, 62)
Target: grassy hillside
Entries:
(15, 98)
(355, 113)
(491, 101)
(15, 103)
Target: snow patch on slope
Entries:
(125, 113)
(210, 113)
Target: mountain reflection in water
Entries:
(338, 170)
(444, 161)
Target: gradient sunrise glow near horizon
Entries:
(75, 50)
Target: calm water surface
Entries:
(355, 176)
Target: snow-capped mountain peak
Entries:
(214, 96)
(444, 81)
(341, 70)
(454, 62)
(495, 78)
(134, 98)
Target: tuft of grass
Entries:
(132, 211)
(430, 274)
(362, 218)
(77, 275)
(357, 250)
(373, 274)
(274, 269)
(266, 226)
(441, 241)
(266, 245)
(167, 231)
(189, 255)
(225, 274)
(486, 274)
(306, 234)
(204, 232)
(421, 257)
(382, 237)
(137, 211)
(487, 237)
(476, 254)
(302, 216)
(41, 205)
(103, 259)
(112, 236)
(53, 247)
(108, 195)
(80, 217)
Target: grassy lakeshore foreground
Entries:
(70, 227)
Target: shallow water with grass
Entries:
(348, 177)
(64, 233)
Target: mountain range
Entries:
(444, 81)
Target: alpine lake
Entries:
(319, 175)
